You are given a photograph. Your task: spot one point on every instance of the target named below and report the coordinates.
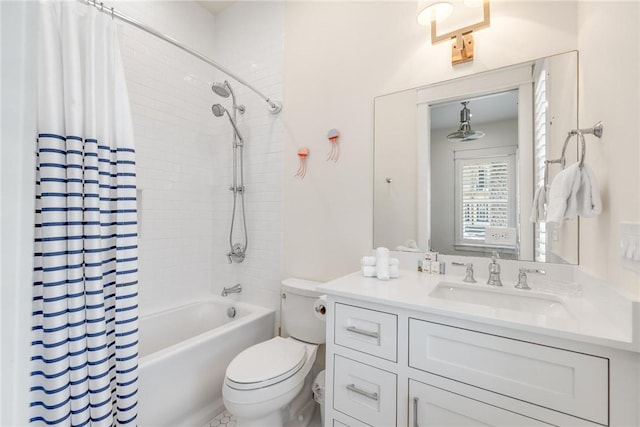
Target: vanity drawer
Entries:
(574, 383)
(363, 392)
(370, 331)
(345, 421)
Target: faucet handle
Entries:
(494, 256)
(468, 278)
(522, 277)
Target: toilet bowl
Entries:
(266, 378)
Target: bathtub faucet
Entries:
(232, 290)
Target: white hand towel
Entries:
(561, 201)
(394, 271)
(368, 260)
(588, 195)
(369, 271)
(393, 261)
(382, 263)
(408, 246)
(538, 207)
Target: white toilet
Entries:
(269, 384)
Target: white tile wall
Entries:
(184, 153)
(251, 42)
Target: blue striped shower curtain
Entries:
(84, 364)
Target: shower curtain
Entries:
(84, 331)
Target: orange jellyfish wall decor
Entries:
(334, 137)
(302, 169)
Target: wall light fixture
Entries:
(432, 12)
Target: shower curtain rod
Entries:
(274, 106)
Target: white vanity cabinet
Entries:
(390, 366)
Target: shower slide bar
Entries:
(274, 106)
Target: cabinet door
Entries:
(573, 383)
(434, 407)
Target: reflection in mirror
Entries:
(471, 196)
(474, 177)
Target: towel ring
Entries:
(596, 131)
(582, 147)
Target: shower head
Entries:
(218, 111)
(221, 89)
(224, 90)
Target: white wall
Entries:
(17, 183)
(610, 91)
(339, 56)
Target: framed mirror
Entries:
(457, 163)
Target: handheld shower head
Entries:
(218, 111)
(221, 89)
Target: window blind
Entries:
(540, 109)
(485, 197)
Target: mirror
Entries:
(462, 195)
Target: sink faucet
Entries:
(236, 289)
(522, 277)
(494, 271)
(468, 276)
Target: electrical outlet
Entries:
(504, 236)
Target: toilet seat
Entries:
(266, 363)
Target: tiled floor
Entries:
(224, 419)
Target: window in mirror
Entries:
(485, 199)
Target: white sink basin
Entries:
(520, 301)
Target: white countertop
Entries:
(587, 322)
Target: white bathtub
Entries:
(184, 353)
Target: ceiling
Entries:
(215, 6)
(484, 109)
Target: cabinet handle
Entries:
(415, 412)
(363, 332)
(353, 388)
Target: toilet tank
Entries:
(297, 316)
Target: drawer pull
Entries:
(415, 412)
(363, 332)
(353, 388)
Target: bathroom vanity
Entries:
(429, 350)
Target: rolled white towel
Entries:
(407, 249)
(368, 260)
(369, 271)
(394, 271)
(382, 263)
(394, 261)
